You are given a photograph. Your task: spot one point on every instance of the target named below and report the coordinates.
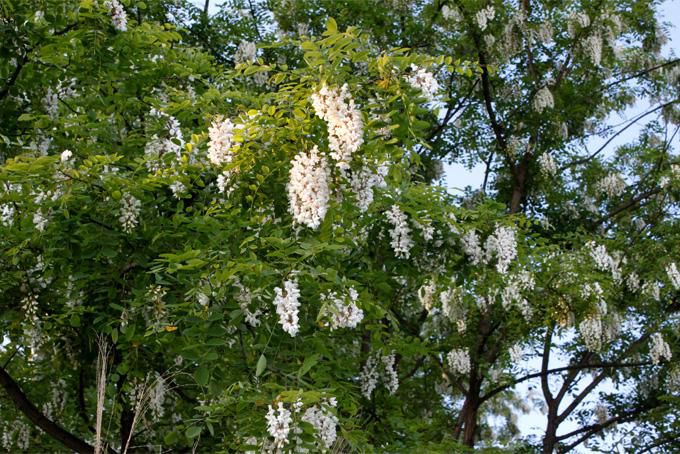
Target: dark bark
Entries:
(469, 413)
(36, 417)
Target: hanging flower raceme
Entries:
(423, 80)
(221, 134)
(547, 165)
(287, 303)
(501, 244)
(459, 361)
(543, 99)
(171, 143)
(246, 52)
(659, 349)
(364, 181)
(342, 310)
(611, 185)
(484, 16)
(472, 248)
(592, 46)
(118, 14)
(673, 275)
(400, 232)
(130, 208)
(308, 191)
(371, 374)
(278, 424)
(324, 421)
(345, 125)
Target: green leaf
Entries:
(309, 362)
(331, 26)
(193, 431)
(261, 365)
(202, 375)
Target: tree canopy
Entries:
(223, 228)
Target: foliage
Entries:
(148, 207)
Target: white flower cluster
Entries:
(50, 103)
(512, 293)
(342, 311)
(221, 134)
(157, 147)
(547, 165)
(426, 295)
(118, 14)
(451, 13)
(18, 434)
(390, 379)
(345, 125)
(7, 212)
(459, 361)
(633, 282)
(423, 80)
(130, 207)
(63, 90)
(371, 374)
(246, 52)
(659, 349)
(33, 334)
(673, 380)
(591, 331)
(545, 32)
(485, 15)
(516, 353)
(673, 275)
(652, 289)
(245, 298)
(278, 424)
(592, 46)
(611, 185)
(577, 21)
(308, 191)
(324, 421)
(364, 181)
(501, 244)
(157, 396)
(543, 99)
(453, 307)
(606, 262)
(65, 156)
(472, 247)
(287, 303)
(400, 233)
(593, 328)
(40, 221)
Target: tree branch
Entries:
(592, 429)
(545, 363)
(619, 132)
(573, 368)
(597, 380)
(36, 417)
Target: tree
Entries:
(218, 246)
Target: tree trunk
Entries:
(550, 438)
(469, 413)
(519, 183)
